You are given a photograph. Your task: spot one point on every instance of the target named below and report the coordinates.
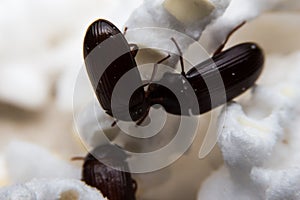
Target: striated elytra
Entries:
(108, 57)
(239, 67)
(108, 172)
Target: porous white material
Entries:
(278, 184)
(23, 85)
(160, 20)
(260, 139)
(47, 189)
(240, 11)
(41, 43)
(92, 121)
(25, 161)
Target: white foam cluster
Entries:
(260, 140)
(41, 48)
(34, 49)
(240, 11)
(184, 20)
(39, 189)
(25, 161)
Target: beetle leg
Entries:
(133, 49)
(114, 123)
(145, 82)
(155, 67)
(221, 47)
(140, 121)
(77, 158)
(180, 56)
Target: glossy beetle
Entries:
(114, 183)
(100, 59)
(238, 66)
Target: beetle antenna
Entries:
(156, 66)
(221, 47)
(77, 158)
(180, 56)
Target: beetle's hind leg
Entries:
(156, 66)
(154, 71)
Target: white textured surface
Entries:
(25, 161)
(41, 42)
(153, 19)
(48, 189)
(260, 139)
(237, 12)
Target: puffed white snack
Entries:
(240, 11)
(259, 141)
(278, 184)
(25, 161)
(20, 82)
(44, 189)
(162, 19)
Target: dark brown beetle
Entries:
(239, 67)
(108, 57)
(115, 182)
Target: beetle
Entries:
(100, 59)
(106, 169)
(238, 66)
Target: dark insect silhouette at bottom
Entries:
(106, 169)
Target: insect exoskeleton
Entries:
(238, 67)
(108, 57)
(106, 169)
